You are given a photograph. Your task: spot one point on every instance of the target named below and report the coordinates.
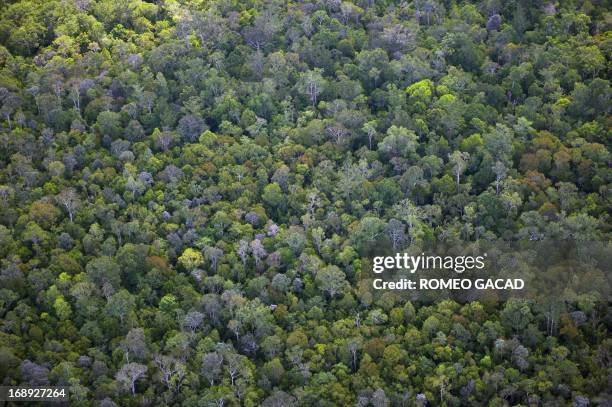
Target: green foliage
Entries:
(190, 191)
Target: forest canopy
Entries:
(189, 191)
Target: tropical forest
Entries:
(191, 193)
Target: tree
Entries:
(379, 399)
(368, 231)
(191, 259)
(396, 232)
(421, 92)
(69, 199)
(62, 308)
(458, 160)
(399, 37)
(332, 281)
(109, 123)
(273, 195)
(10, 103)
(411, 214)
(258, 251)
(172, 372)
(135, 344)
(399, 142)
(129, 374)
(318, 235)
(213, 254)
(190, 127)
(312, 84)
(235, 366)
(372, 64)
(34, 374)
(243, 251)
(499, 144)
(212, 364)
(516, 315)
(280, 399)
(265, 26)
(120, 305)
(104, 271)
(193, 320)
(274, 371)
(337, 133)
(370, 129)
(354, 345)
(499, 169)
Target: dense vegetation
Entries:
(187, 189)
